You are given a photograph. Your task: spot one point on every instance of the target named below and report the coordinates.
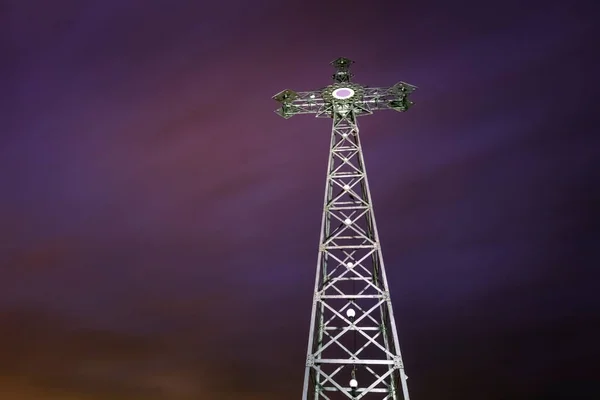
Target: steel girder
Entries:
(353, 348)
(359, 345)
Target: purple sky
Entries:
(159, 223)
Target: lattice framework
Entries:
(353, 350)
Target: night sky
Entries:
(159, 224)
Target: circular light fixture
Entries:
(350, 313)
(343, 93)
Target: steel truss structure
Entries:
(353, 347)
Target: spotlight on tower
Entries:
(350, 313)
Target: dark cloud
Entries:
(159, 224)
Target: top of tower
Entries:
(342, 63)
(342, 66)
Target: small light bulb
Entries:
(346, 187)
(353, 383)
(344, 135)
(349, 264)
(350, 313)
(347, 221)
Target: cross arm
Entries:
(293, 103)
(391, 98)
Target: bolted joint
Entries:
(398, 364)
(310, 361)
(386, 296)
(316, 298)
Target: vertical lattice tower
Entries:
(353, 349)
